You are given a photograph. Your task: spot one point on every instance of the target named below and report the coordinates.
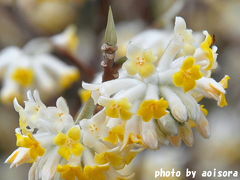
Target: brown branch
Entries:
(109, 48)
(110, 72)
(110, 67)
(86, 70)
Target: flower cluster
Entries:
(34, 67)
(60, 148)
(155, 100)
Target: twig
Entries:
(110, 72)
(89, 72)
(109, 49)
(110, 67)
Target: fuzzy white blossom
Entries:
(155, 100)
(34, 67)
(60, 148)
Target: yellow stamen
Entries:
(142, 64)
(93, 128)
(135, 139)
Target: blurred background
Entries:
(23, 20)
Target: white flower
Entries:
(57, 147)
(155, 99)
(34, 67)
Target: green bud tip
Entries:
(110, 34)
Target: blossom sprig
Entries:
(57, 147)
(155, 99)
(33, 66)
(152, 101)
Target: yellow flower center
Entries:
(119, 109)
(187, 75)
(150, 109)
(93, 128)
(69, 144)
(23, 76)
(142, 64)
(140, 61)
(135, 139)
